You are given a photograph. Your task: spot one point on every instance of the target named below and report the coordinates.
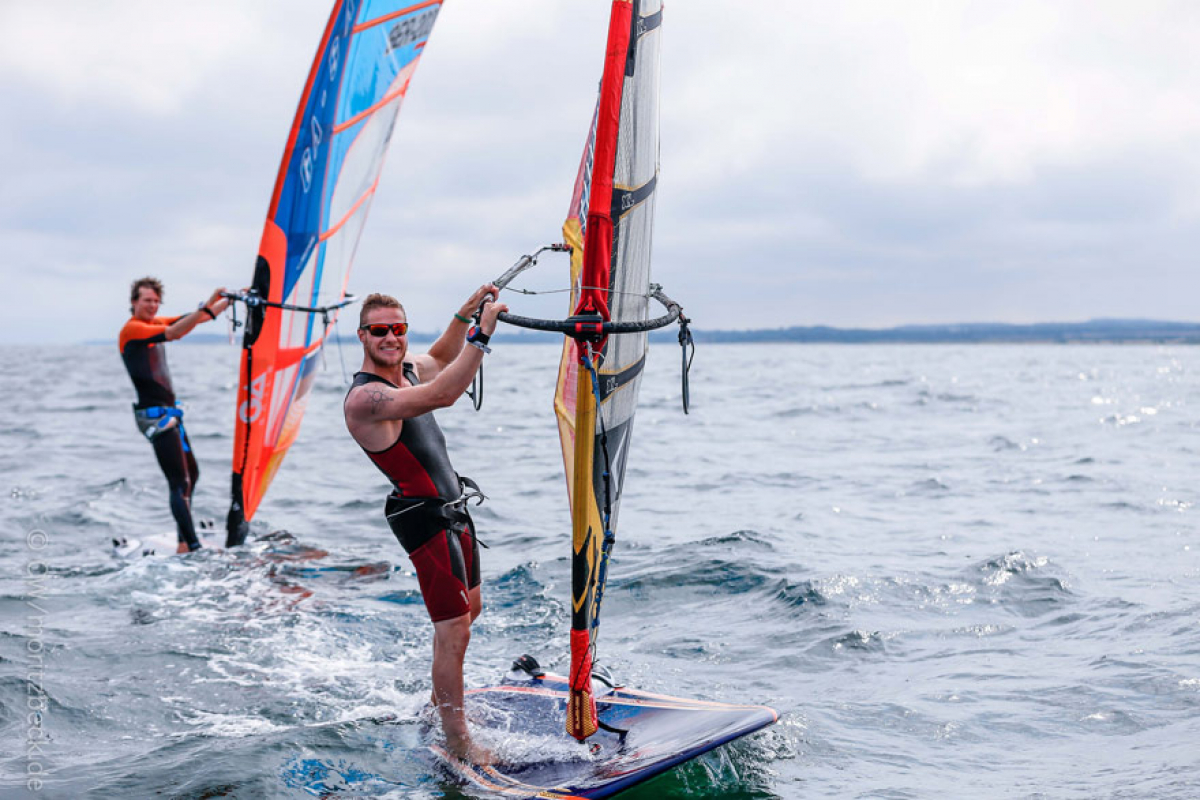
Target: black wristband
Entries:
(476, 335)
(207, 310)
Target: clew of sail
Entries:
(327, 179)
(609, 228)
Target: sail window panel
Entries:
(293, 330)
(620, 406)
(294, 327)
(637, 159)
(370, 68)
(375, 12)
(637, 142)
(290, 426)
(303, 250)
(281, 393)
(632, 251)
(366, 144)
(339, 251)
(372, 88)
(626, 351)
(356, 158)
(374, 9)
(624, 356)
(619, 432)
(619, 438)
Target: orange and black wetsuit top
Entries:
(146, 360)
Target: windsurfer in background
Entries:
(142, 343)
(389, 413)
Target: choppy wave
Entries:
(950, 569)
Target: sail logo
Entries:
(306, 168)
(250, 410)
(412, 29)
(308, 157)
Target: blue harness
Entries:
(156, 420)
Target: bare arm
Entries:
(378, 403)
(184, 325)
(450, 344)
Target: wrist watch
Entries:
(477, 338)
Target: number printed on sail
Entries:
(411, 29)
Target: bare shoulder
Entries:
(370, 411)
(367, 400)
(425, 366)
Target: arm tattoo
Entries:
(378, 398)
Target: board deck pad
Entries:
(660, 732)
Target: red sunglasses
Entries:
(380, 329)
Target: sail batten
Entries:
(327, 178)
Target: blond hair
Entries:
(378, 300)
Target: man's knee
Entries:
(451, 636)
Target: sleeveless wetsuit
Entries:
(145, 355)
(423, 512)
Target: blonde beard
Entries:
(383, 365)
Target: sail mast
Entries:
(587, 529)
(608, 231)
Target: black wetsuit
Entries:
(145, 356)
(424, 511)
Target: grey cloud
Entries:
(807, 177)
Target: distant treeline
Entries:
(1095, 331)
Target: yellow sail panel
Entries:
(568, 367)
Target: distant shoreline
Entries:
(1098, 331)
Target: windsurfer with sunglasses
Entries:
(143, 349)
(389, 412)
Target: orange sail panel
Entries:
(610, 228)
(326, 181)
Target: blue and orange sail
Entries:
(609, 229)
(328, 177)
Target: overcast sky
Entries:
(841, 163)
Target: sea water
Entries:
(960, 571)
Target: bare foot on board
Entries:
(465, 750)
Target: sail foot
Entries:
(582, 721)
(236, 526)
